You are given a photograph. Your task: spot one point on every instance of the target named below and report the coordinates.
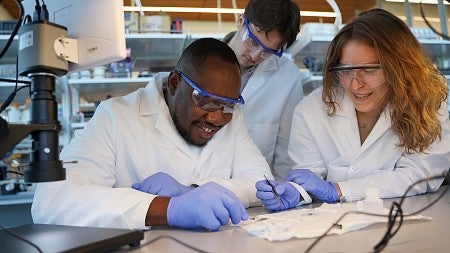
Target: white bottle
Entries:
(14, 114)
(80, 117)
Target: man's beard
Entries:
(184, 134)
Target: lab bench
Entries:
(15, 209)
(413, 236)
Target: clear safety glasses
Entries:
(254, 45)
(366, 74)
(210, 102)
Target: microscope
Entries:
(41, 64)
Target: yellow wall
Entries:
(4, 15)
(208, 27)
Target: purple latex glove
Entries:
(208, 206)
(289, 196)
(162, 184)
(313, 184)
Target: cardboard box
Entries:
(154, 23)
(131, 22)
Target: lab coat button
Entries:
(352, 169)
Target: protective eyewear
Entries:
(366, 74)
(210, 102)
(255, 45)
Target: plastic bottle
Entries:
(80, 115)
(128, 63)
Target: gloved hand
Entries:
(208, 206)
(162, 184)
(313, 184)
(289, 195)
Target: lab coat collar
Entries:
(155, 113)
(270, 64)
(260, 76)
(152, 101)
(347, 109)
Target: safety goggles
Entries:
(255, 45)
(210, 102)
(367, 74)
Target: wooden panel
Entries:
(347, 8)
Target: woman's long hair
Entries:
(417, 89)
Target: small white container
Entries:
(85, 74)
(99, 72)
(14, 115)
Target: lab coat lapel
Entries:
(381, 126)
(347, 110)
(202, 168)
(156, 115)
(259, 78)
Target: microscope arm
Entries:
(8, 141)
(44, 164)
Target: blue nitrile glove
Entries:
(313, 184)
(162, 184)
(208, 206)
(289, 195)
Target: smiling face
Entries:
(365, 97)
(195, 125)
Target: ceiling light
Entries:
(416, 1)
(218, 10)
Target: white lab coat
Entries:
(130, 138)
(270, 95)
(331, 147)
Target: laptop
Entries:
(58, 238)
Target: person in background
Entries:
(379, 121)
(271, 83)
(176, 153)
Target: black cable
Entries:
(45, 13)
(422, 13)
(6, 80)
(388, 235)
(16, 28)
(394, 213)
(22, 87)
(418, 182)
(21, 238)
(11, 171)
(391, 222)
(174, 239)
(37, 11)
(26, 19)
(11, 97)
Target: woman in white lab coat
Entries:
(380, 121)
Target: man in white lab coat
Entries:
(271, 83)
(176, 153)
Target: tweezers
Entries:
(273, 189)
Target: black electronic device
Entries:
(55, 238)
